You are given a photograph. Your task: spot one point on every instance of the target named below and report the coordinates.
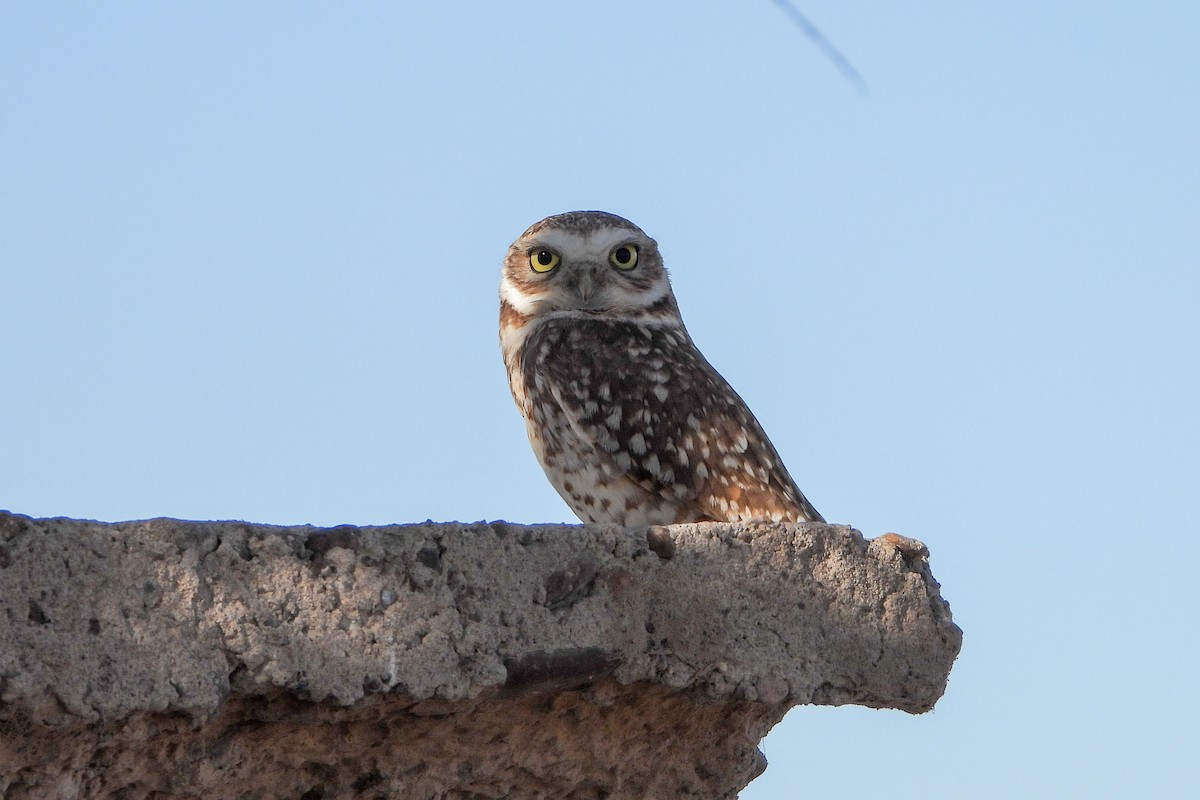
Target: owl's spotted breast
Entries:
(636, 427)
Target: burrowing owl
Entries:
(630, 422)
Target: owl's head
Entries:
(587, 264)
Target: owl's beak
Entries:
(585, 286)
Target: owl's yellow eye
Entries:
(624, 257)
(543, 260)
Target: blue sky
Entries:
(248, 267)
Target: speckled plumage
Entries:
(630, 422)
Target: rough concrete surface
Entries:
(170, 659)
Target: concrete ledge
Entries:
(226, 660)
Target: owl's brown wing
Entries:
(651, 405)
